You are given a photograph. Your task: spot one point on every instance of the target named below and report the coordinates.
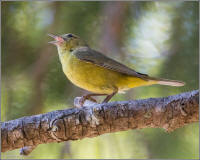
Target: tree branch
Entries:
(72, 124)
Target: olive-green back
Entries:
(91, 56)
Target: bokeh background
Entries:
(156, 38)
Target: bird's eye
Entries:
(69, 35)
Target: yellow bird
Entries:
(93, 71)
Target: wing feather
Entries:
(97, 58)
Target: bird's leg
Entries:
(110, 96)
(88, 96)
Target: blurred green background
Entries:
(156, 38)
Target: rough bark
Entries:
(72, 124)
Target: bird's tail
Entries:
(167, 82)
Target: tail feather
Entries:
(171, 83)
(167, 82)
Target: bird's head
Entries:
(67, 42)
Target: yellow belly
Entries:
(97, 79)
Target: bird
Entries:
(95, 72)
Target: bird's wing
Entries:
(97, 58)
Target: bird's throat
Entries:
(63, 54)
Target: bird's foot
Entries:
(84, 101)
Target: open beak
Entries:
(53, 36)
(57, 39)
